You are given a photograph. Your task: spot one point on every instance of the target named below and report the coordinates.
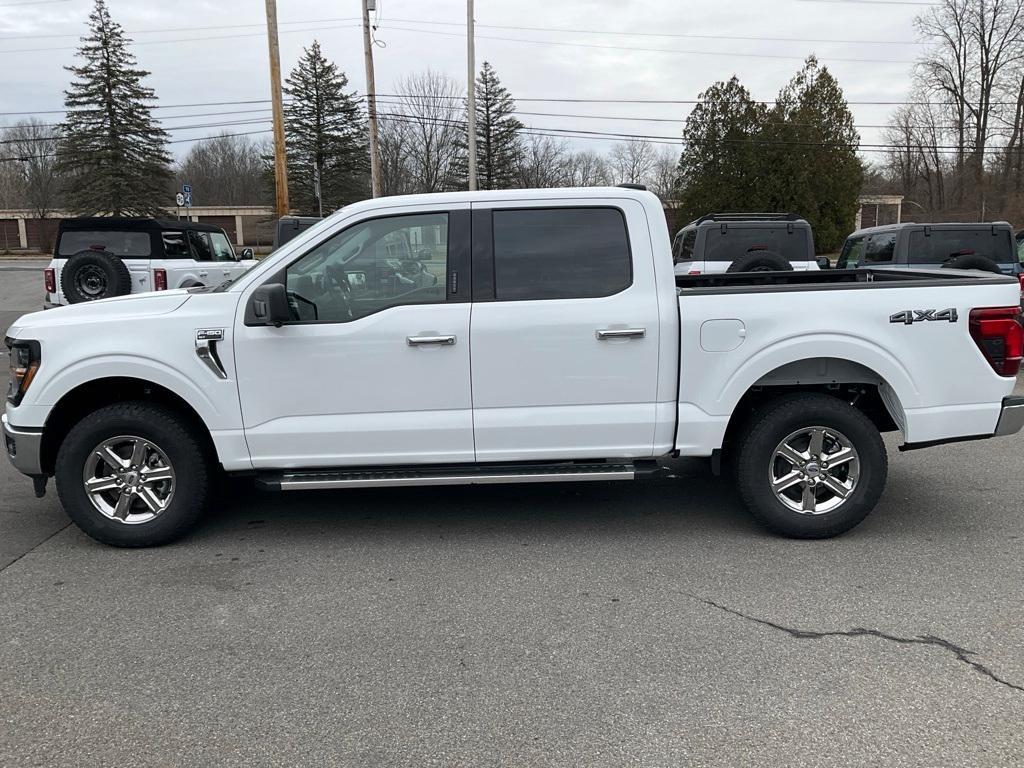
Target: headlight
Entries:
(24, 364)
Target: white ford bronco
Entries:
(101, 257)
(503, 337)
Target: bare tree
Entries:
(32, 153)
(396, 175)
(631, 161)
(225, 170)
(544, 162)
(663, 176)
(977, 46)
(587, 169)
(424, 132)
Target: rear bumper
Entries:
(1011, 417)
(24, 447)
(1011, 420)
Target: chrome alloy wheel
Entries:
(128, 479)
(814, 470)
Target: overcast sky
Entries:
(199, 51)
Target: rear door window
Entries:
(175, 245)
(879, 249)
(682, 248)
(853, 253)
(735, 242)
(124, 244)
(563, 253)
(941, 245)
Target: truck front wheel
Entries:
(811, 466)
(133, 475)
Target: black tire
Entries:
(93, 275)
(756, 460)
(760, 261)
(973, 261)
(184, 452)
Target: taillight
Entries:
(999, 335)
(1021, 278)
(693, 272)
(50, 280)
(159, 279)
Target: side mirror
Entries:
(823, 262)
(270, 304)
(247, 253)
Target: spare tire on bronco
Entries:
(91, 275)
(973, 261)
(760, 261)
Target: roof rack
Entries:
(748, 217)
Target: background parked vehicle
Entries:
(289, 226)
(988, 246)
(102, 257)
(745, 242)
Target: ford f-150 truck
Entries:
(502, 337)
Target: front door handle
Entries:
(419, 341)
(621, 333)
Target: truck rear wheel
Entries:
(811, 466)
(133, 475)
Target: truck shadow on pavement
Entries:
(691, 500)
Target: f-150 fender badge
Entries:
(911, 316)
(210, 334)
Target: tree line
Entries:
(956, 143)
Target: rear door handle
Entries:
(621, 333)
(419, 341)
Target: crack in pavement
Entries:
(962, 654)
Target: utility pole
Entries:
(280, 163)
(471, 99)
(371, 99)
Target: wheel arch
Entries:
(852, 381)
(97, 393)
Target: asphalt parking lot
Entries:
(596, 624)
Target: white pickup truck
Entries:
(500, 337)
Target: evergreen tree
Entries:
(812, 145)
(497, 132)
(324, 129)
(113, 155)
(720, 168)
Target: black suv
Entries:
(987, 246)
(745, 242)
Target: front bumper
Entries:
(24, 448)
(1011, 417)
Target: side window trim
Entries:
(458, 268)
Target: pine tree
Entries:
(497, 132)
(721, 165)
(812, 143)
(324, 130)
(113, 155)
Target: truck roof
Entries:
(134, 223)
(556, 193)
(934, 225)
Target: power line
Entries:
(634, 49)
(179, 39)
(617, 33)
(33, 2)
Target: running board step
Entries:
(461, 475)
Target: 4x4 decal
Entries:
(911, 316)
